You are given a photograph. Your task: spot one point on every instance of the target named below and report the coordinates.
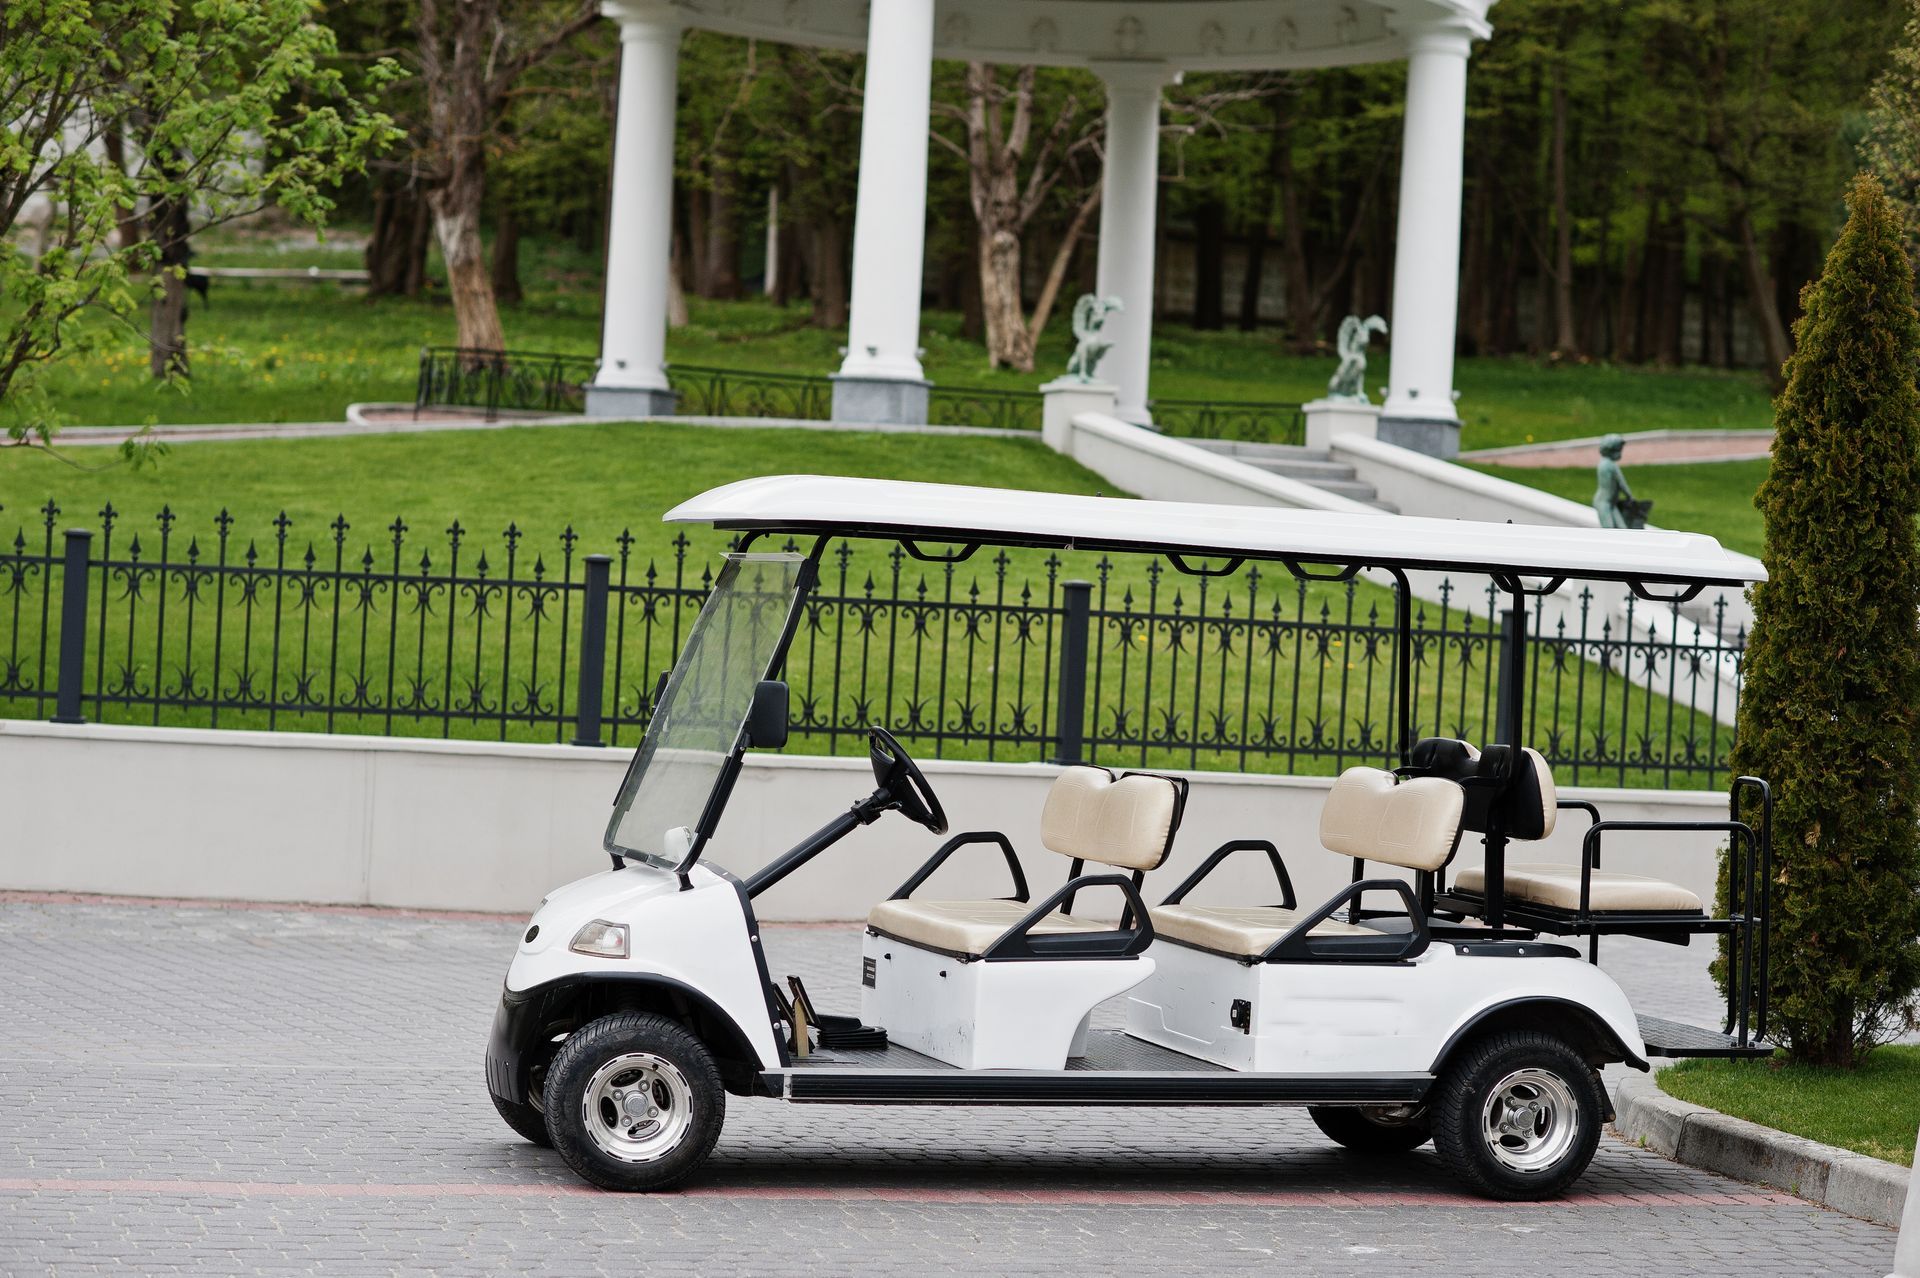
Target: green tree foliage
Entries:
(113, 107)
(1892, 143)
(1831, 711)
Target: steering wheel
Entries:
(905, 785)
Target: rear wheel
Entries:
(1517, 1116)
(1374, 1129)
(634, 1102)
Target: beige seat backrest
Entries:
(1543, 787)
(1370, 815)
(1127, 821)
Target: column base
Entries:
(630, 401)
(1434, 436)
(880, 401)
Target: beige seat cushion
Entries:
(1126, 821)
(1559, 886)
(1249, 931)
(1407, 823)
(966, 927)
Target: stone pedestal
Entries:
(1329, 417)
(880, 401)
(1065, 398)
(1434, 436)
(630, 401)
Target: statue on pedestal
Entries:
(1613, 501)
(1349, 381)
(1089, 317)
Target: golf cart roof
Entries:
(949, 513)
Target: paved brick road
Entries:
(240, 1090)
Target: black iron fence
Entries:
(1030, 656)
(519, 381)
(528, 381)
(1246, 421)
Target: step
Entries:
(1313, 466)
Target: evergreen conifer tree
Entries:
(1830, 714)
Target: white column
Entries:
(1426, 269)
(632, 380)
(880, 379)
(1127, 207)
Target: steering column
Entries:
(901, 787)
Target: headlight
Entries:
(601, 939)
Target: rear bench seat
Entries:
(1368, 814)
(1528, 810)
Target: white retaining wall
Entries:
(480, 826)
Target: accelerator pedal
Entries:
(837, 1033)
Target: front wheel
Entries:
(634, 1102)
(1374, 1129)
(1517, 1116)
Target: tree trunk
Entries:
(1301, 294)
(676, 291)
(167, 328)
(1760, 296)
(1009, 344)
(827, 275)
(506, 257)
(1566, 340)
(456, 220)
(723, 244)
(699, 277)
(115, 144)
(1209, 265)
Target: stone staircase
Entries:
(1309, 466)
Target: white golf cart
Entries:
(640, 996)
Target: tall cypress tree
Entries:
(1831, 710)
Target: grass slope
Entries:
(1872, 1110)
(269, 352)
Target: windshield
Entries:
(708, 694)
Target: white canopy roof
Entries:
(941, 513)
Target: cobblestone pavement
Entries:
(230, 1090)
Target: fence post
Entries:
(1503, 694)
(1071, 700)
(593, 652)
(73, 627)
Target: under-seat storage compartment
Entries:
(988, 1015)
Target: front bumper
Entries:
(517, 1029)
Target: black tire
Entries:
(1536, 1139)
(1374, 1129)
(667, 1085)
(527, 1120)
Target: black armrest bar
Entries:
(1765, 791)
(1298, 946)
(1123, 942)
(1745, 851)
(958, 841)
(1226, 850)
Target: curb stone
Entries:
(1700, 1137)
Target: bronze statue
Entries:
(1613, 501)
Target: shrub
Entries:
(1831, 710)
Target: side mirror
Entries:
(767, 720)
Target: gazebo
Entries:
(1136, 47)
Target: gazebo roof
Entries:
(1186, 35)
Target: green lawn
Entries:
(1872, 1110)
(1162, 678)
(1715, 498)
(270, 352)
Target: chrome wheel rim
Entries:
(1394, 1115)
(1530, 1120)
(637, 1107)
